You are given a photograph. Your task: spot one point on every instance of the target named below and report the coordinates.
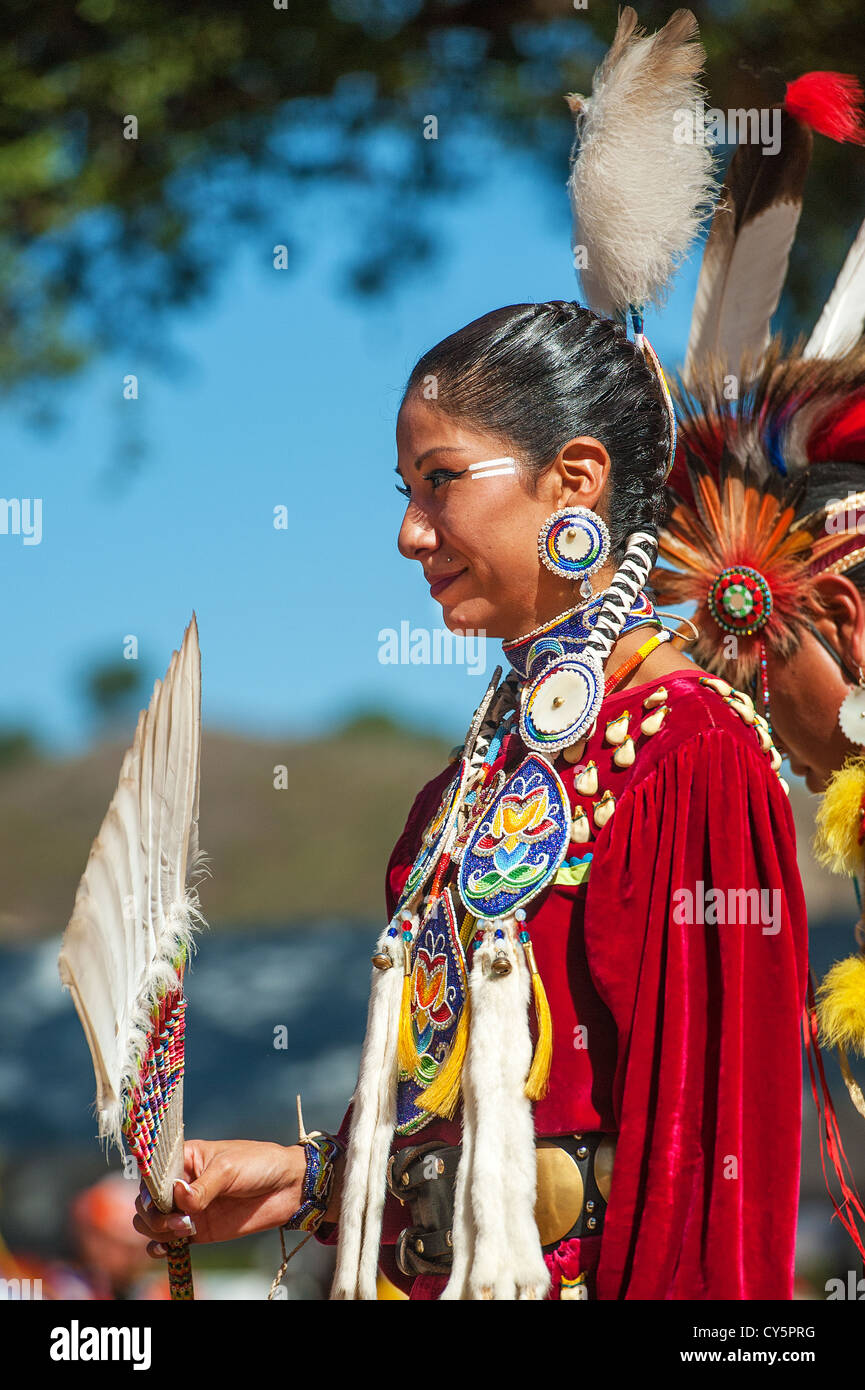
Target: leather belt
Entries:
(574, 1173)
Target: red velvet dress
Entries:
(675, 1008)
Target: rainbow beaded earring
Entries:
(574, 542)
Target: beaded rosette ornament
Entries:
(125, 949)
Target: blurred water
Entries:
(242, 986)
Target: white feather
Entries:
(840, 324)
(732, 312)
(136, 907)
(638, 194)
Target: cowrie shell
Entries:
(617, 729)
(775, 759)
(785, 784)
(657, 697)
(575, 752)
(625, 754)
(580, 829)
(715, 683)
(586, 783)
(765, 738)
(745, 714)
(604, 809)
(652, 722)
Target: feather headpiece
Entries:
(753, 420)
(738, 545)
(748, 249)
(639, 192)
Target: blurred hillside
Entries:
(316, 849)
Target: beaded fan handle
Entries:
(180, 1271)
(154, 1122)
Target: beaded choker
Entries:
(566, 634)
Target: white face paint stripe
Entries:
(488, 468)
(490, 463)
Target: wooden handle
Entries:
(180, 1272)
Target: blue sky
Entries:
(289, 397)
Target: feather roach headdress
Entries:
(754, 420)
(736, 545)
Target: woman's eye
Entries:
(436, 477)
(440, 475)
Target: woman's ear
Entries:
(843, 618)
(580, 472)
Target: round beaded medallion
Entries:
(740, 600)
(561, 703)
(574, 542)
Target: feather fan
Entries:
(126, 945)
(639, 194)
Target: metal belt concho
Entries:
(574, 1176)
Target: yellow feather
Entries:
(841, 1005)
(837, 843)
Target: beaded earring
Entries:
(574, 542)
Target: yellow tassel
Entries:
(442, 1095)
(467, 930)
(539, 1076)
(841, 1005)
(837, 843)
(406, 1048)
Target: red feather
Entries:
(839, 437)
(829, 102)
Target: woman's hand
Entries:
(232, 1188)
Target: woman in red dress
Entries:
(587, 1082)
(581, 1075)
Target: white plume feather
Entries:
(639, 194)
(840, 324)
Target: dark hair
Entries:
(823, 483)
(537, 375)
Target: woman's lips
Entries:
(439, 585)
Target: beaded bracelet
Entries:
(320, 1150)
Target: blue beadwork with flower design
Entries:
(519, 844)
